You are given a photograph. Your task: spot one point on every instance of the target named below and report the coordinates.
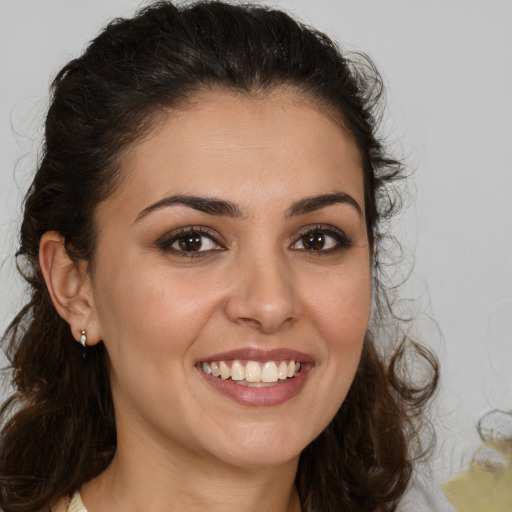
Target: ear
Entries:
(69, 286)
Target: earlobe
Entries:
(69, 287)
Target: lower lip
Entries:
(259, 397)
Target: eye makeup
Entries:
(190, 241)
(197, 241)
(321, 239)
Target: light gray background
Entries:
(447, 67)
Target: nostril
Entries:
(250, 322)
(267, 325)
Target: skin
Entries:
(256, 284)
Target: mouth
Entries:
(253, 373)
(257, 378)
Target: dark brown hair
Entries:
(58, 425)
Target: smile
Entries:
(253, 373)
(257, 378)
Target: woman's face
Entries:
(236, 244)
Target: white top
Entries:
(76, 505)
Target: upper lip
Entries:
(261, 355)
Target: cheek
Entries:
(341, 308)
(151, 308)
(341, 314)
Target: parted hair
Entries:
(58, 426)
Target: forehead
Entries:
(228, 143)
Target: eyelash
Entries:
(341, 239)
(167, 241)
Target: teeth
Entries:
(225, 372)
(237, 371)
(269, 372)
(283, 370)
(215, 369)
(253, 372)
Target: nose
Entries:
(263, 294)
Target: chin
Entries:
(261, 447)
(264, 458)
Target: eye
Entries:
(322, 239)
(189, 242)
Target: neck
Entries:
(145, 477)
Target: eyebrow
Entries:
(221, 208)
(207, 205)
(313, 203)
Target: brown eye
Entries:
(190, 242)
(313, 241)
(322, 239)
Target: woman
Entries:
(204, 230)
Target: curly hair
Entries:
(61, 408)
